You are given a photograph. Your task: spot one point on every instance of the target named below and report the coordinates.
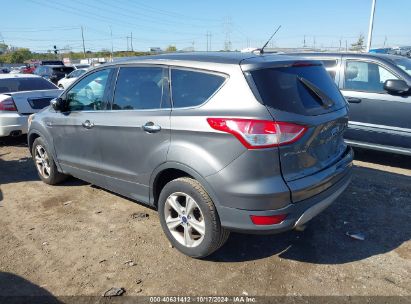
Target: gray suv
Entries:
(217, 142)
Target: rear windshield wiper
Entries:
(326, 101)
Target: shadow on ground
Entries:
(383, 158)
(377, 204)
(15, 289)
(23, 169)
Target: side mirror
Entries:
(396, 86)
(57, 104)
(66, 76)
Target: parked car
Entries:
(70, 78)
(4, 70)
(29, 69)
(81, 66)
(242, 142)
(400, 50)
(52, 62)
(381, 50)
(20, 96)
(17, 70)
(377, 87)
(53, 72)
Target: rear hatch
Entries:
(303, 93)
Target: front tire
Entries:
(189, 218)
(44, 162)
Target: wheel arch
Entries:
(169, 171)
(35, 133)
(31, 138)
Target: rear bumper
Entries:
(297, 213)
(10, 122)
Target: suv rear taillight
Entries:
(8, 105)
(259, 134)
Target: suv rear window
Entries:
(25, 84)
(283, 88)
(192, 88)
(66, 70)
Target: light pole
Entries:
(371, 25)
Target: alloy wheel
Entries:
(184, 219)
(42, 161)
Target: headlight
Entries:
(30, 119)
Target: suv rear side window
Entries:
(283, 89)
(140, 88)
(192, 88)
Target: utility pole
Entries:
(127, 43)
(131, 40)
(111, 36)
(208, 35)
(371, 25)
(227, 30)
(82, 37)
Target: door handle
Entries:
(150, 127)
(353, 99)
(87, 124)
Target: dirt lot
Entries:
(76, 239)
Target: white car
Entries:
(20, 96)
(70, 78)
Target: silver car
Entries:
(20, 96)
(217, 142)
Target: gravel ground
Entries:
(77, 239)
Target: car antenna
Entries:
(268, 41)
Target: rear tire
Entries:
(44, 162)
(195, 229)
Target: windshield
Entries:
(404, 64)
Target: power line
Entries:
(40, 30)
(170, 13)
(100, 18)
(131, 13)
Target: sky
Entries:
(41, 24)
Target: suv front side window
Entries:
(366, 76)
(88, 94)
